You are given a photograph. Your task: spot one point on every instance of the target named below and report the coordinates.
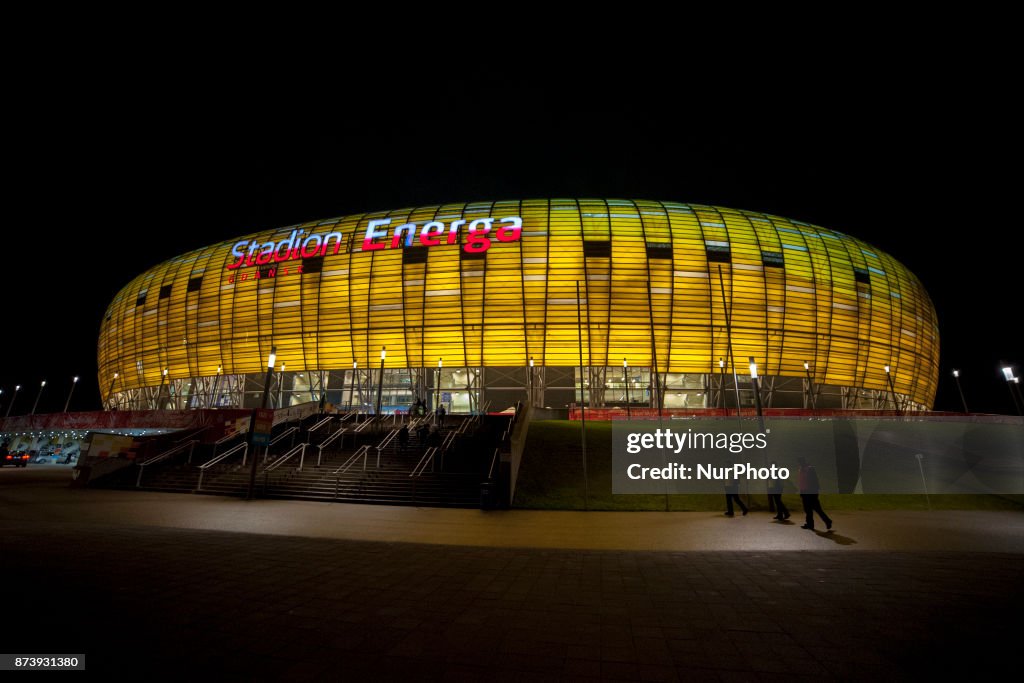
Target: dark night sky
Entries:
(136, 175)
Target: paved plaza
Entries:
(160, 586)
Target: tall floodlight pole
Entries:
(43, 384)
(252, 421)
(963, 401)
(74, 382)
(10, 405)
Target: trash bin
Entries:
(487, 491)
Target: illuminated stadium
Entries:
(645, 304)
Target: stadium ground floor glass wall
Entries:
(477, 389)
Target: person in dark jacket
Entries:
(775, 495)
(403, 438)
(732, 492)
(809, 487)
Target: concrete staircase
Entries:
(455, 482)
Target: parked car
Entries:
(16, 458)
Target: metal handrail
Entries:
(226, 438)
(214, 461)
(428, 457)
(365, 424)
(326, 442)
(284, 458)
(320, 424)
(494, 461)
(448, 440)
(385, 443)
(283, 434)
(231, 451)
(189, 436)
(363, 450)
(163, 456)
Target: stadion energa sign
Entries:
(480, 232)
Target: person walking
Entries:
(732, 492)
(775, 496)
(809, 488)
(441, 412)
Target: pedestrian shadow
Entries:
(783, 522)
(838, 539)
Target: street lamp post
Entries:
(68, 402)
(757, 392)
(892, 390)
(10, 405)
(280, 387)
(529, 384)
(43, 384)
(252, 421)
(956, 376)
(352, 389)
(110, 391)
(1010, 379)
(380, 379)
(810, 385)
(437, 385)
(625, 378)
(721, 381)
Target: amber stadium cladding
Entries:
(483, 304)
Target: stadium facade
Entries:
(643, 303)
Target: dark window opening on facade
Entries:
(597, 248)
(414, 255)
(719, 254)
(194, 284)
(862, 276)
(312, 265)
(661, 250)
(773, 259)
(165, 292)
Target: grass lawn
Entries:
(551, 478)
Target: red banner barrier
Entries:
(120, 419)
